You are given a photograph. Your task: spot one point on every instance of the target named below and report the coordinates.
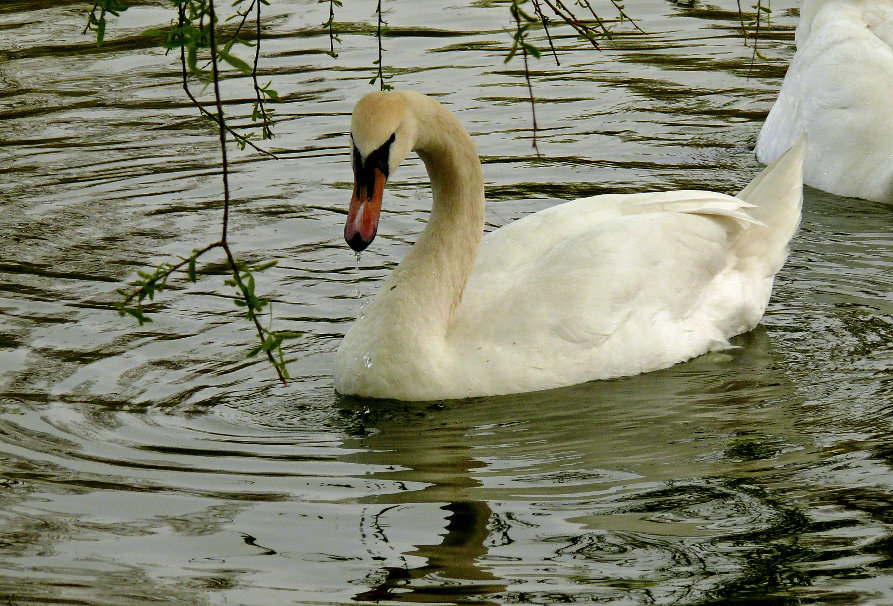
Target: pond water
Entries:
(159, 464)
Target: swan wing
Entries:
(624, 284)
(531, 237)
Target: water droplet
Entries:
(367, 361)
(359, 295)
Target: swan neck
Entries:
(440, 263)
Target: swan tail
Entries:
(777, 198)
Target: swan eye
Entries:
(355, 156)
(377, 159)
(364, 170)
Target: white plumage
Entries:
(595, 288)
(839, 91)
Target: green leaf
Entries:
(512, 52)
(100, 31)
(185, 35)
(192, 62)
(235, 62)
(264, 266)
(190, 270)
(136, 313)
(534, 51)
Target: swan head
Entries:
(382, 134)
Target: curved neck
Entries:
(434, 273)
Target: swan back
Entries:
(838, 90)
(818, 14)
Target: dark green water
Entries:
(159, 465)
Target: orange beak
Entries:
(365, 208)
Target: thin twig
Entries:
(161, 277)
(532, 104)
(741, 18)
(331, 28)
(225, 173)
(517, 16)
(266, 132)
(598, 19)
(266, 121)
(90, 19)
(239, 137)
(566, 15)
(243, 280)
(756, 34)
(624, 15)
(244, 19)
(221, 130)
(251, 313)
(545, 21)
(381, 81)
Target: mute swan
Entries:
(595, 288)
(839, 91)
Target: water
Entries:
(158, 464)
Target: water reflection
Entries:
(654, 486)
(452, 570)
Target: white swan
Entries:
(839, 91)
(595, 288)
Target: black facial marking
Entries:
(365, 176)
